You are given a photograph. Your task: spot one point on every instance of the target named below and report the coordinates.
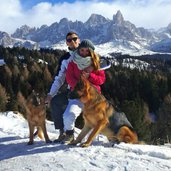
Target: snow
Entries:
(162, 46)
(2, 62)
(105, 49)
(16, 155)
(61, 45)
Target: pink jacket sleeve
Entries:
(97, 77)
(70, 78)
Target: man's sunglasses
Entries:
(72, 39)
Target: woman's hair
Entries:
(95, 60)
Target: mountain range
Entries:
(100, 30)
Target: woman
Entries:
(86, 62)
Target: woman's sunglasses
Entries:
(72, 39)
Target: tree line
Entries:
(144, 95)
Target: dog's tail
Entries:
(39, 133)
(126, 135)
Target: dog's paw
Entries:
(73, 143)
(85, 145)
(30, 143)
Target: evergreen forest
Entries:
(144, 95)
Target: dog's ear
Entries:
(82, 78)
(81, 83)
(85, 81)
(86, 84)
(87, 87)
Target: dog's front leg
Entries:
(31, 130)
(82, 134)
(101, 125)
(45, 133)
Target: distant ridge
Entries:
(97, 28)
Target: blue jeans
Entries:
(58, 106)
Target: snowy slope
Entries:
(162, 46)
(16, 155)
(106, 49)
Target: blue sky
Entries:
(35, 13)
(30, 3)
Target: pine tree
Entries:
(25, 72)
(21, 101)
(136, 110)
(164, 120)
(15, 71)
(6, 81)
(3, 99)
(47, 78)
(47, 75)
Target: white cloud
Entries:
(145, 13)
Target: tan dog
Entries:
(36, 116)
(100, 117)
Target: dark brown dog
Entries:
(36, 116)
(99, 115)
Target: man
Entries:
(55, 99)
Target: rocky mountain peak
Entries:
(96, 19)
(118, 18)
(25, 27)
(3, 34)
(63, 21)
(5, 39)
(43, 26)
(22, 31)
(169, 27)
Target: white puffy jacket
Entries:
(60, 76)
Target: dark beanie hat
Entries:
(86, 44)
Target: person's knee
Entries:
(55, 106)
(68, 117)
(54, 100)
(69, 120)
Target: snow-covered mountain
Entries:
(7, 41)
(23, 31)
(162, 46)
(98, 29)
(16, 155)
